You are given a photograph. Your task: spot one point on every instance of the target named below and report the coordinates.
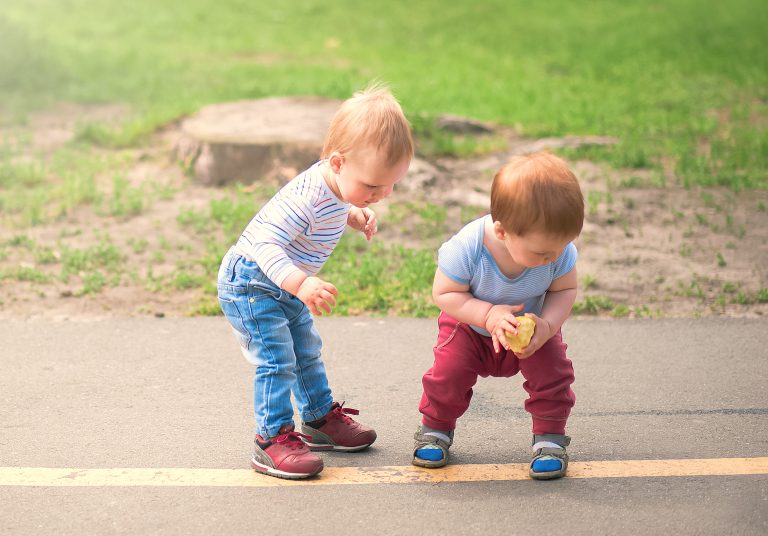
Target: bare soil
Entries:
(667, 251)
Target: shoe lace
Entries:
(292, 439)
(342, 413)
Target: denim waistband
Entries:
(236, 266)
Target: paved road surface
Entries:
(176, 394)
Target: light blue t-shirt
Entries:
(465, 259)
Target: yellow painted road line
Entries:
(331, 476)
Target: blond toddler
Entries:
(268, 283)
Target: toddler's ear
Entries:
(498, 230)
(335, 161)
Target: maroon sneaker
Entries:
(338, 431)
(285, 455)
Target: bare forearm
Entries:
(464, 307)
(557, 307)
(293, 282)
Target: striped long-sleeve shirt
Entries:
(297, 229)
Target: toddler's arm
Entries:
(281, 221)
(557, 307)
(559, 300)
(318, 295)
(455, 300)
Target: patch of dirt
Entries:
(52, 129)
(658, 251)
(666, 251)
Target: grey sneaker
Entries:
(431, 451)
(549, 462)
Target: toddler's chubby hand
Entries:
(364, 220)
(541, 334)
(499, 320)
(318, 295)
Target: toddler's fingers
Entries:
(508, 326)
(322, 305)
(502, 338)
(328, 297)
(330, 288)
(495, 343)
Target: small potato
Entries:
(524, 333)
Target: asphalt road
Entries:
(177, 394)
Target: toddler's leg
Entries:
(311, 391)
(460, 356)
(459, 359)
(266, 342)
(548, 377)
(327, 424)
(252, 305)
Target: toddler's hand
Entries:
(541, 334)
(501, 318)
(318, 295)
(364, 220)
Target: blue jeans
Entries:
(277, 335)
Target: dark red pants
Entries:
(462, 354)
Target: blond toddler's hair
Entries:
(371, 118)
(537, 192)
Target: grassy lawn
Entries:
(682, 84)
(684, 79)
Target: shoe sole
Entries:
(320, 447)
(429, 464)
(271, 471)
(550, 475)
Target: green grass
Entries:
(104, 255)
(592, 305)
(685, 79)
(125, 200)
(433, 141)
(684, 83)
(35, 193)
(24, 273)
(379, 279)
(373, 278)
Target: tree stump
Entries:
(246, 141)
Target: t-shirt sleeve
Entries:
(457, 258)
(566, 261)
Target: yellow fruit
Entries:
(524, 333)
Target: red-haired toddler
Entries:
(518, 259)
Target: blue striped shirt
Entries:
(297, 229)
(465, 260)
